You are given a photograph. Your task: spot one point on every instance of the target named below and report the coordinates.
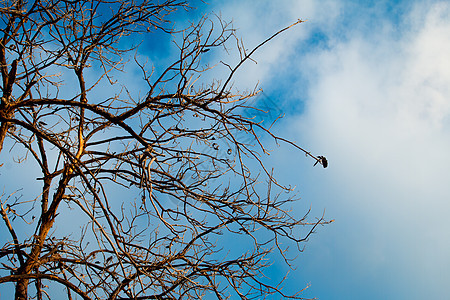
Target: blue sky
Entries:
(367, 84)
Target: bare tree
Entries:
(155, 181)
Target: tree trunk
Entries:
(4, 126)
(22, 289)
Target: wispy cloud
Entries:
(378, 103)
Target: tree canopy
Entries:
(146, 178)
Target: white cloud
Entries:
(256, 21)
(378, 106)
(382, 100)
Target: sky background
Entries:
(367, 84)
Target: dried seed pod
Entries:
(322, 160)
